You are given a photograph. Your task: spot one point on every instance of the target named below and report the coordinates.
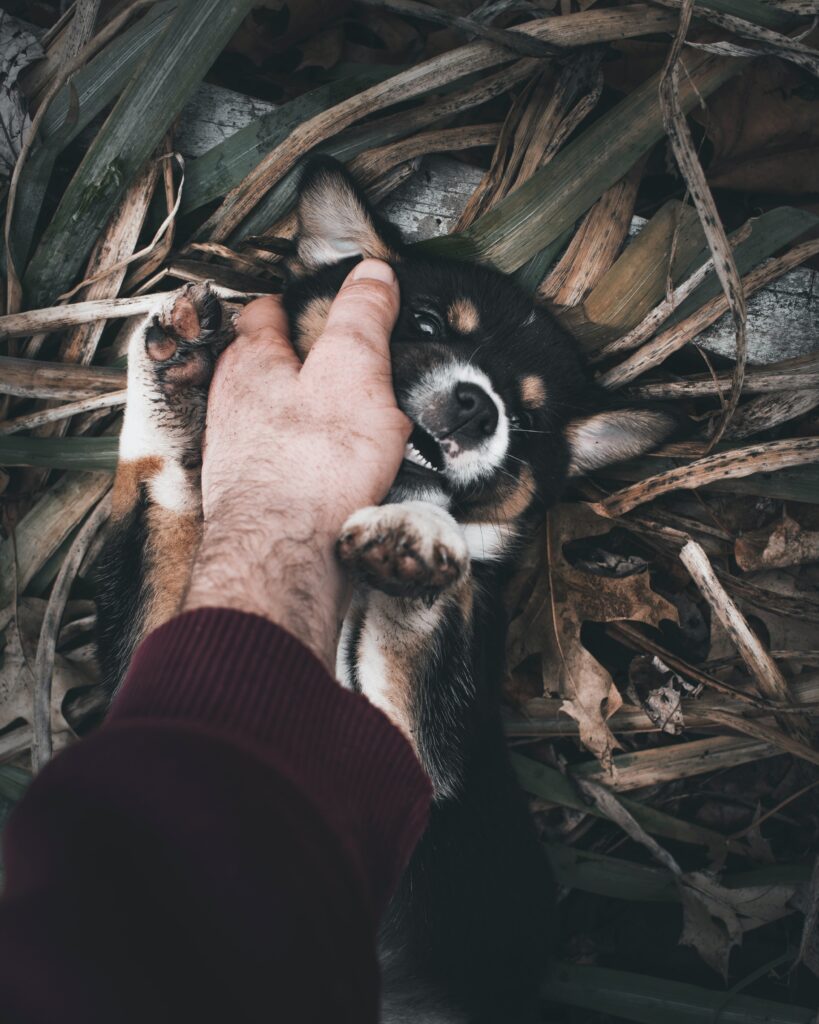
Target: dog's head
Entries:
(503, 411)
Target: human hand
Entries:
(292, 450)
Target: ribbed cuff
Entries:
(253, 683)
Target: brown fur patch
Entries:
(409, 651)
(376, 248)
(463, 317)
(171, 547)
(533, 391)
(129, 477)
(310, 324)
(509, 502)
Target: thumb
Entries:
(361, 317)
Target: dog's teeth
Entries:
(413, 455)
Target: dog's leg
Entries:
(410, 627)
(156, 515)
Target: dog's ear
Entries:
(335, 220)
(615, 436)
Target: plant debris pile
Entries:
(650, 172)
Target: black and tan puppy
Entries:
(503, 417)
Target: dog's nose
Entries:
(474, 413)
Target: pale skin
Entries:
(291, 451)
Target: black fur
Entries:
(471, 926)
(120, 576)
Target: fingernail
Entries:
(373, 270)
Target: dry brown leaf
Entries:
(714, 918)
(563, 598)
(275, 25)
(638, 60)
(659, 692)
(322, 50)
(379, 37)
(764, 130)
(786, 544)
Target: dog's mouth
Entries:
(424, 451)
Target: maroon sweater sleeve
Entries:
(219, 850)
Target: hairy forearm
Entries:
(276, 562)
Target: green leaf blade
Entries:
(130, 134)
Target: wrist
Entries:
(273, 562)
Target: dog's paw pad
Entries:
(184, 340)
(407, 551)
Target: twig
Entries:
(767, 734)
(16, 325)
(759, 458)
(775, 810)
(30, 378)
(768, 411)
(772, 684)
(770, 42)
(682, 144)
(797, 607)
(658, 765)
(41, 745)
(625, 631)
(789, 376)
(62, 412)
(160, 253)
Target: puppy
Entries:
(504, 415)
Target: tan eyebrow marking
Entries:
(463, 317)
(533, 391)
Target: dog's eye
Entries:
(521, 420)
(428, 323)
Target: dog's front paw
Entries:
(409, 550)
(183, 341)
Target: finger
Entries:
(260, 349)
(263, 324)
(361, 320)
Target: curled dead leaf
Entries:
(786, 544)
(714, 917)
(659, 692)
(764, 130)
(563, 598)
